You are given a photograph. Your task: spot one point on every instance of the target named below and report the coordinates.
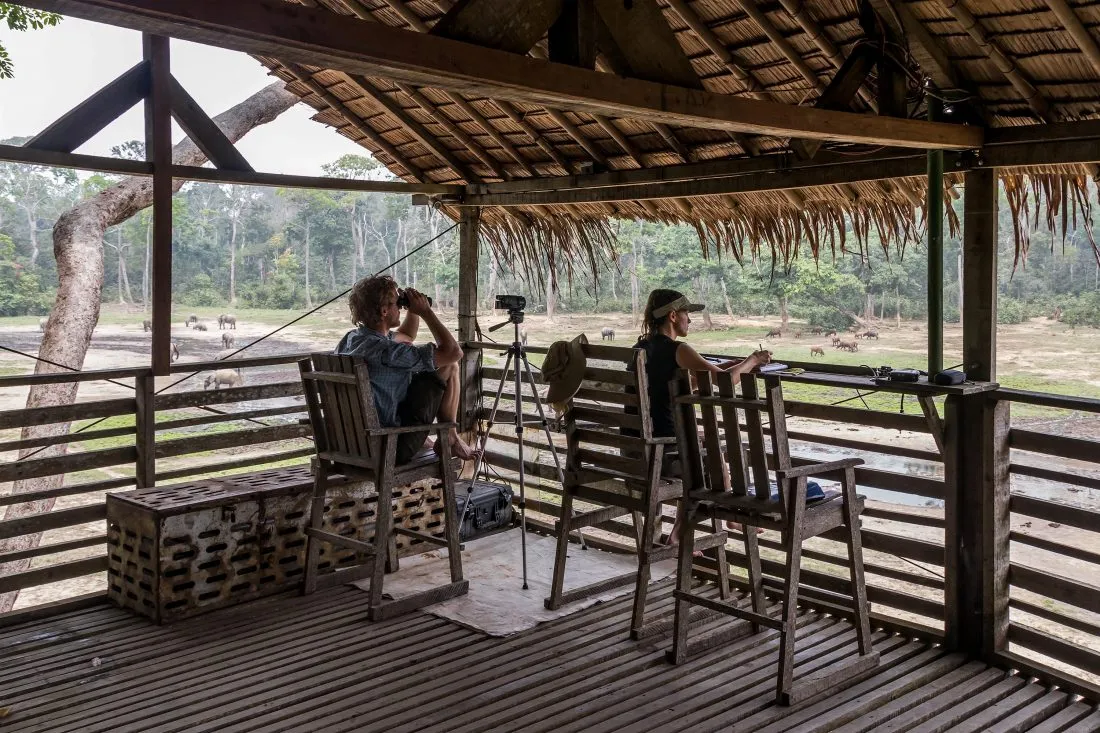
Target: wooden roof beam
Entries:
(781, 43)
(453, 129)
(536, 137)
(352, 119)
(493, 133)
(414, 128)
(925, 48)
(752, 86)
(1077, 30)
(1023, 86)
(817, 35)
(277, 29)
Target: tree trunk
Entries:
(726, 297)
(148, 261)
(233, 261)
(897, 311)
(551, 301)
(32, 227)
(78, 248)
(784, 316)
(331, 273)
(634, 282)
(309, 296)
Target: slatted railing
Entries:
(903, 530)
(184, 433)
(1054, 550)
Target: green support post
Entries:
(935, 247)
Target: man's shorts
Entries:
(421, 406)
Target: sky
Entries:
(56, 68)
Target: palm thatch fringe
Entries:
(1051, 198)
(541, 245)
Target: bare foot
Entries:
(736, 526)
(673, 540)
(459, 449)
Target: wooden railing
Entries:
(1053, 563)
(904, 522)
(148, 436)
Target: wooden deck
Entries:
(290, 663)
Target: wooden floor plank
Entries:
(1032, 714)
(296, 664)
(173, 672)
(1062, 720)
(941, 701)
(446, 680)
(1091, 724)
(982, 721)
(595, 705)
(903, 703)
(952, 717)
(895, 662)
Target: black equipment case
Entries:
(490, 508)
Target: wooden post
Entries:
(976, 514)
(158, 150)
(935, 248)
(470, 367)
(145, 430)
(979, 307)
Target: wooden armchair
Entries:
(350, 441)
(614, 460)
(716, 483)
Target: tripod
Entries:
(517, 357)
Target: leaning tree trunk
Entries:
(78, 248)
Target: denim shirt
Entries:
(391, 364)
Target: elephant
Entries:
(42, 323)
(227, 340)
(175, 352)
(227, 320)
(200, 326)
(146, 325)
(191, 320)
(607, 334)
(223, 377)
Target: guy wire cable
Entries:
(253, 343)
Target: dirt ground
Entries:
(1040, 355)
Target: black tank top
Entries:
(660, 355)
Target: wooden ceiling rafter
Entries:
(714, 44)
(353, 120)
(928, 52)
(536, 137)
(420, 133)
(820, 38)
(779, 40)
(1005, 65)
(453, 129)
(1085, 41)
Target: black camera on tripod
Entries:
(510, 303)
(403, 299)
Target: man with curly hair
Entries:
(412, 384)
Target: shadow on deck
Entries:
(315, 663)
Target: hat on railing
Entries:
(563, 370)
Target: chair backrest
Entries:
(607, 422)
(341, 409)
(728, 422)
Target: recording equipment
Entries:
(949, 377)
(521, 374)
(403, 299)
(904, 375)
(510, 302)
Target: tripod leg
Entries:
(518, 349)
(485, 439)
(546, 431)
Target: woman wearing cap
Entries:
(667, 318)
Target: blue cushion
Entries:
(814, 492)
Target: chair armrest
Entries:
(434, 427)
(813, 469)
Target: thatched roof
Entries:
(1006, 62)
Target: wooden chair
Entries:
(716, 483)
(350, 441)
(613, 460)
